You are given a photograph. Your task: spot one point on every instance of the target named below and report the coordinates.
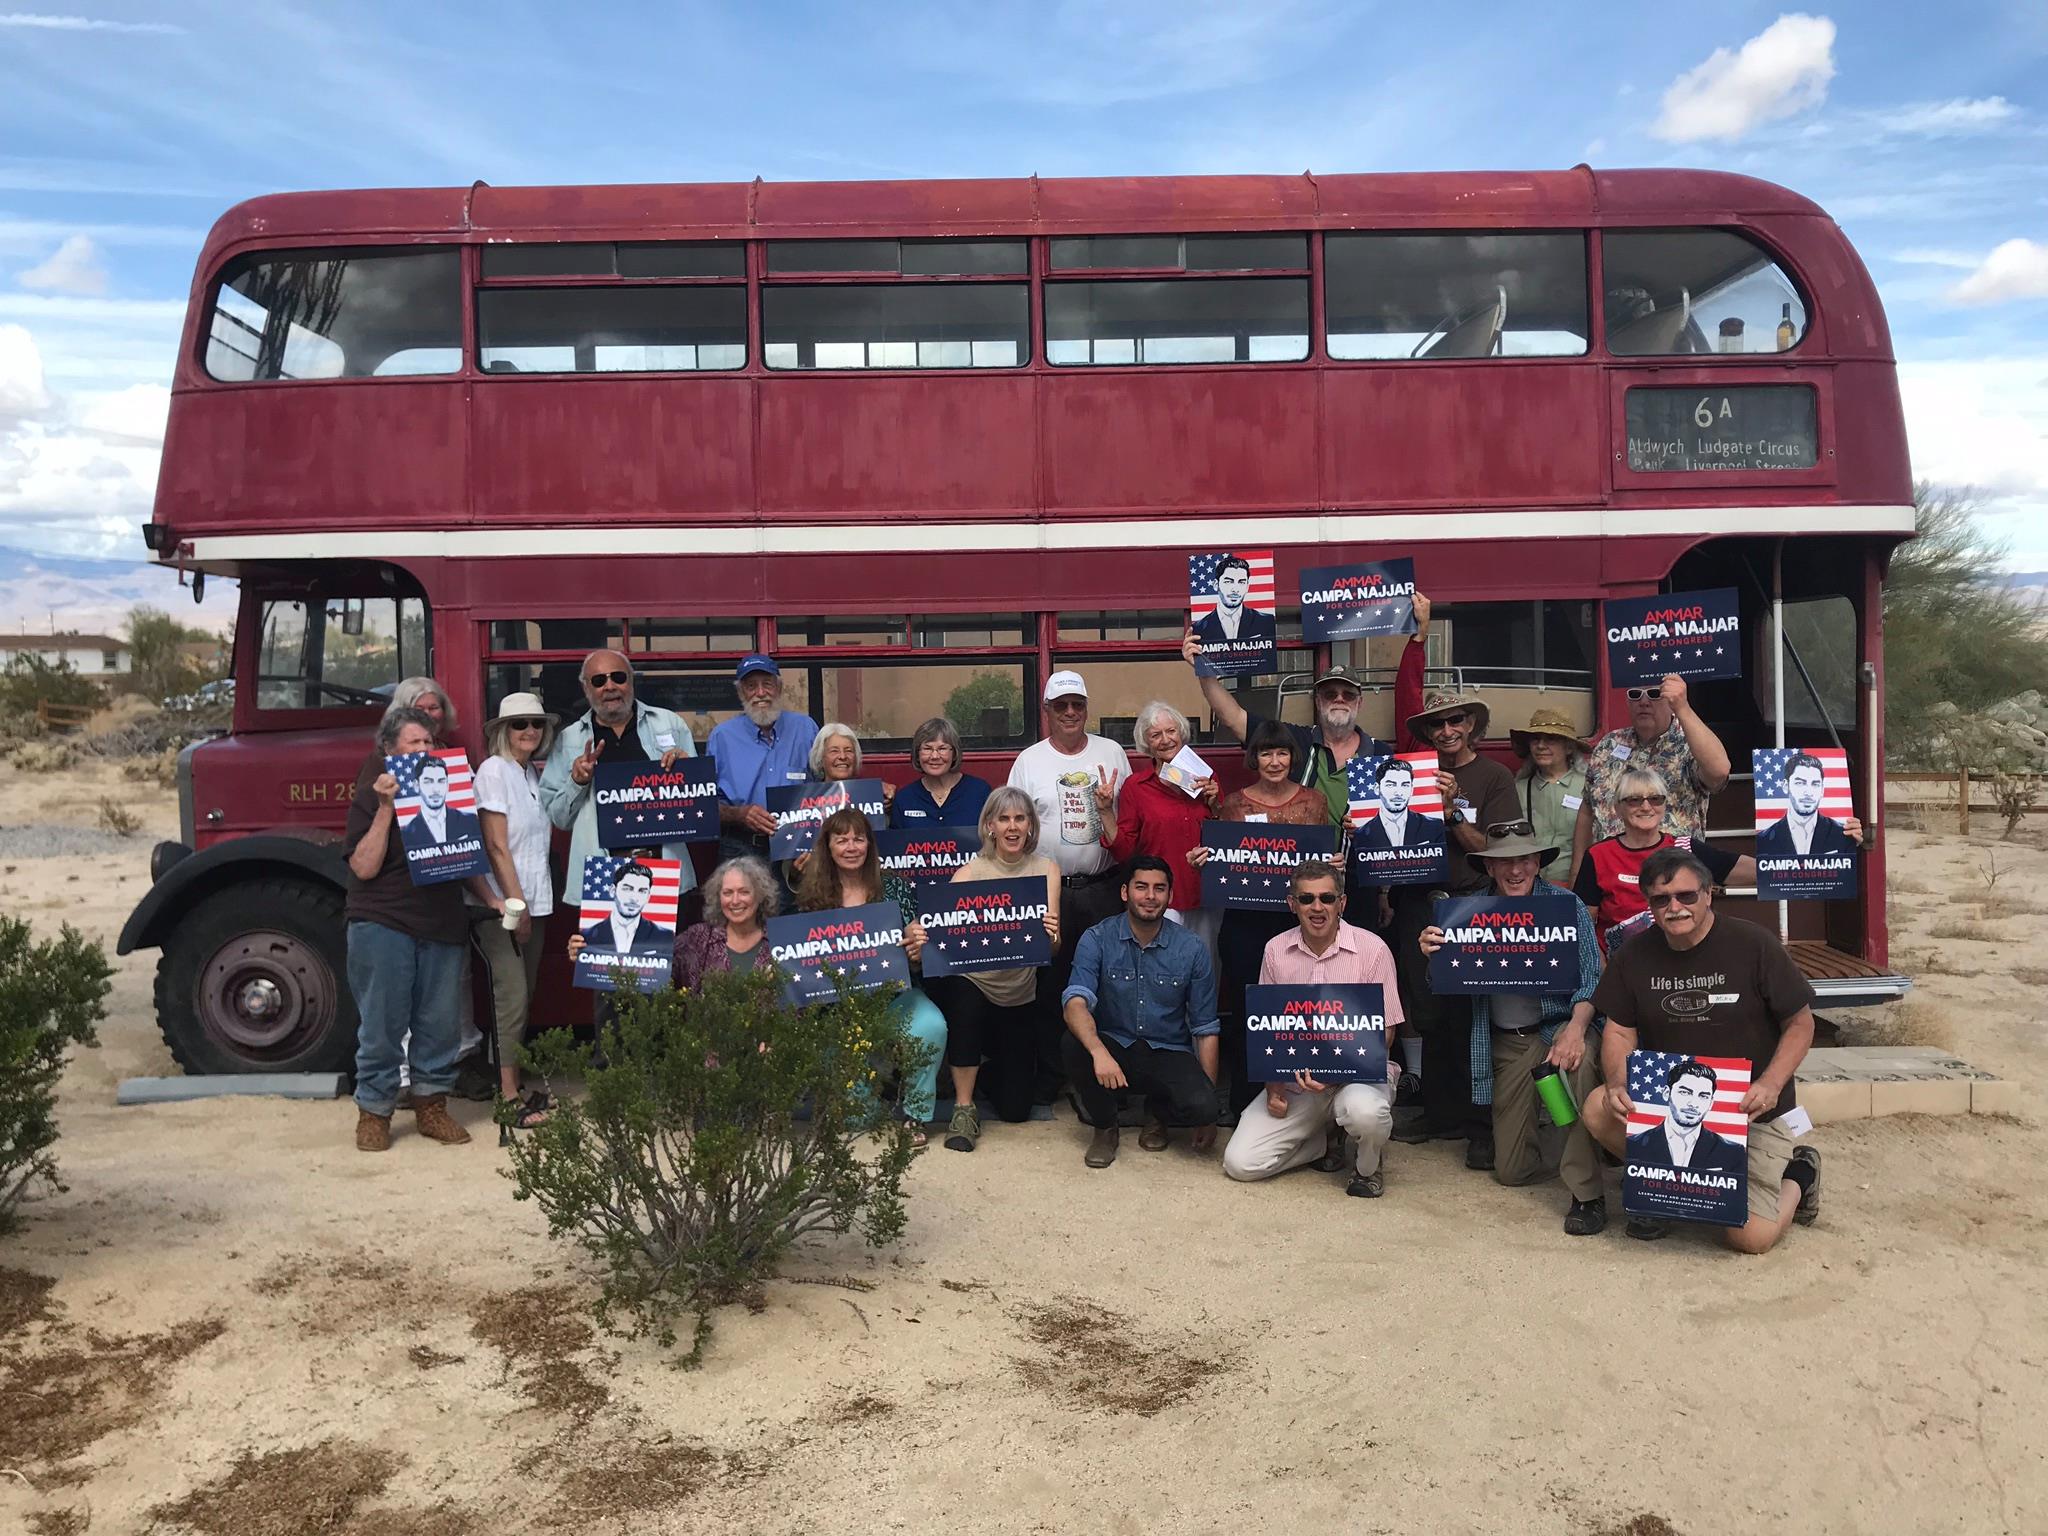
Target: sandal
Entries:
(534, 1111)
(919, 1137)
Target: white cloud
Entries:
(1962, 114)
(1983, 423)
(45, 23)
(1933, 256)
(21, 375)
(1783, 70)
(2017, 269)
(74, 267)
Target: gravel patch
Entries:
(69, 843)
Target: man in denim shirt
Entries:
(1141, 1015)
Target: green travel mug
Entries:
(1556, 1097)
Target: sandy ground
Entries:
(255, 1329)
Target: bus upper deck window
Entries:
(1678, 291)
(336, 314)
(1455, 295)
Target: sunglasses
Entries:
(1663, 899)
(1635, 800)
(1451, 722)
(1332, 695)
(524, 724)
(1637, 695)
(1068, 706)
(619, 679)
(1316, 898)
(1509, 829)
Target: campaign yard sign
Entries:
(984, 925)
(862, 944)
(1230, 606)
(1687, 1156)
(1803, 852)
(1694, 634)
(1251, 862)
(925, 853)
(1337, 1034)
(644, 804)
(799, 808)
(1397, 820)
(1507, 944)
(1345, 602)
(627, 919)
(436, 810)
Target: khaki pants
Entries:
(513, 972)
(1518, 1115)
(1770, 1149)
(1263, 1146)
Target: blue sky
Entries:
(125, 129)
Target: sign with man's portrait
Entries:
(1803, 798)
(1348, 602)
(1397, 820)
(1335, 1033)
(1231, 608)
(436, 812)
(627, 921)
(1687, 1157)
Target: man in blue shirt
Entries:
(763, 747)
(1141, 1015)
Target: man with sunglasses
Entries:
(1694, 985)
(1289, 1125)
(1664, 734)
(616, 728)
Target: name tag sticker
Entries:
(1623, 752)
(1797, 1121)
(1629, 879)
(1716, 998)
(796, 776)
(1255, 816)
(665, 740)
(908, 812)
(1463, 805)
(1573, 802)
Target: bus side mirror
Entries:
(352, 616)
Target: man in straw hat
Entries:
(1513, 1034)
(1552, 785)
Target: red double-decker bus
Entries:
(928, 441)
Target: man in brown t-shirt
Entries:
(1695, 985)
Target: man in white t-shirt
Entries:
(1061, 774)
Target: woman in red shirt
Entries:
(1155, 816)
(1608, 880)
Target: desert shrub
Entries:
(51, 996)
(684, 1167)
(117, 818)
(28, 680)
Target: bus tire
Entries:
(255, 979)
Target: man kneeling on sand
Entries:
(1289, 1127)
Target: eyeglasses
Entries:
(1637, 695)
(1331, 695)
(526, 725)
(1500, 829)
(1662, 899)
(1316, 898)
(1451, 722)
(618, 679)
(1635, 800)
(1068, 706)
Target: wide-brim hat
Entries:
(523, 706)
(1442, 702)
(1547, 722)
(1522, 839)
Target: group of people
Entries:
(1142, 1007)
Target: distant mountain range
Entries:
(42, 593)
(2035, 580)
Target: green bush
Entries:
(28, 680)
(51, 996)
(684, 1167)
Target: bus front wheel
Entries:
(255, 979)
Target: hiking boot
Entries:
(1809, 1191)
(1368, 1186)
(964, 1130)
(1479, 1154)
(373, 1132)
(1334, 1155)
(1644, 1230)
(1153, 1137)
(1586, 1217)
(432, 1120)
(1102, 1147)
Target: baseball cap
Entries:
(1060, 684)
(749, 665)
(1341, 674)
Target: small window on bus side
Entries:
(1455, 295)
(1177, 320)
(1673, 291)
(896, 325)
(336, 314)
(666, 258)
(901, 258)
(612, 329)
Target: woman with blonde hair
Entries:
(516, 838)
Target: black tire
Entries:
(255, 979)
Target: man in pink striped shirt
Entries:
(1290, 1126)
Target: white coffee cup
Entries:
(515, 909)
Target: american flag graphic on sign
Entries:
(1774, 767)
(1362, 788)
(1649, 1093)
(1204, 569)
(406, 767)
(601, 873)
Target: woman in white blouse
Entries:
(516, 836)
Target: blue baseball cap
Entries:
(749, 665)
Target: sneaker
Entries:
(1586, 1217)
(1479, 1154)
(1368, 1186)
(1644, 1230)
(964, 1130)
(1809, 1196)
(1102, 1147)
(1408, 1091)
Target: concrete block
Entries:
(1928, 1096)
(1829, 1102)
(283, 1085)
(1992, 1096)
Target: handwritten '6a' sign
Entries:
(1251, 863)
(862, 945)
(640, 804)
(1507, 944)
(1336, 1034)
(799, 808)
(984, 925)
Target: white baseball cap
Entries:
(1061, 684)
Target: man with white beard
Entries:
(762, 748)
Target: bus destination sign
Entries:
(1746, 426)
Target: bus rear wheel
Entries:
(255, 979)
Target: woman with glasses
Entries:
(1610, 873)
(516, 837)
(941, 795)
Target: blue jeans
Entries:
(920, 1016)
(402, 983)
